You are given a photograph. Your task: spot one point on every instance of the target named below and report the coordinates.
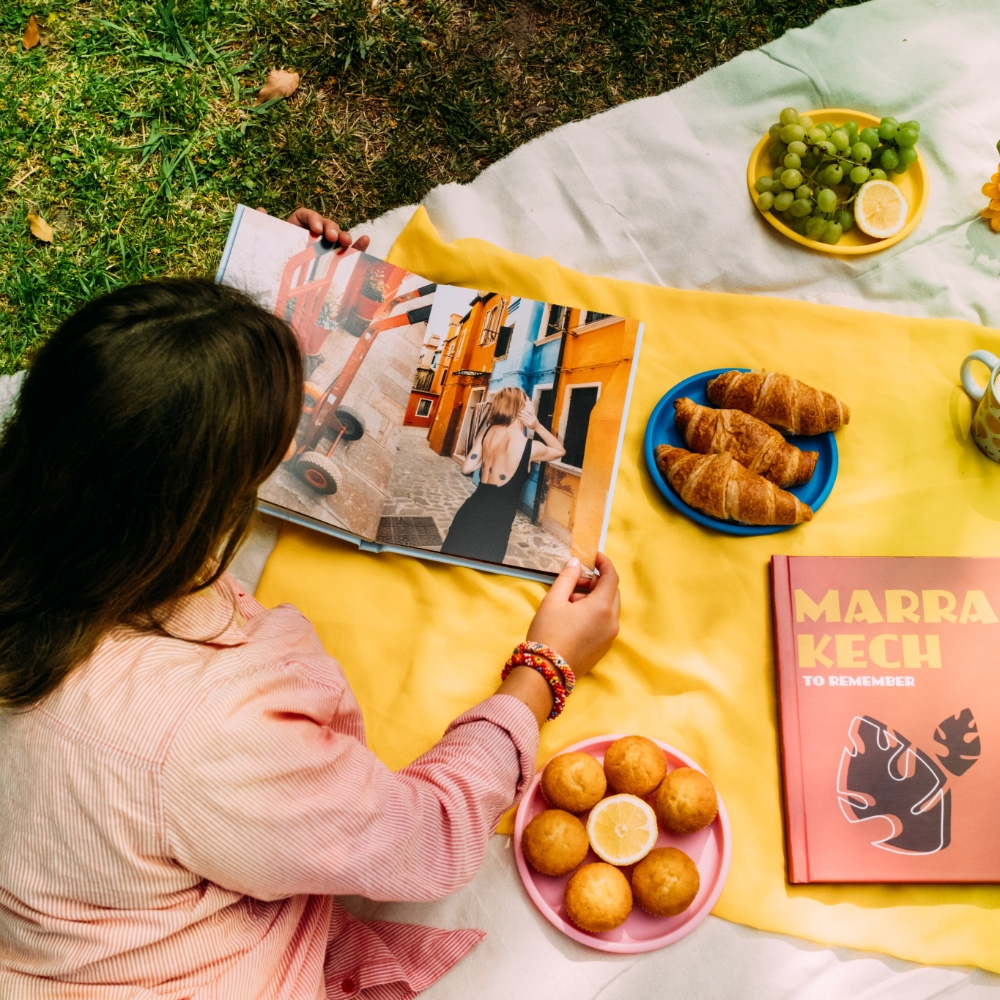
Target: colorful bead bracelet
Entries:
(541, 658)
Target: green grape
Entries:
(826, 199)
(800, 208)
(869, 136)
(791, 179)
(798, 148)
(859, 175)
(787, 218)
(789, 116)
(845, 217)
(775, 130)
(791, 161)
(828, 147)
(804, 191)
(832, 174)
(840, 139)
(763, 184)
(907, 137)
(887, 130)
(831, 234)
(899, 168)
(861, 152)
(827, 127)
(889, 160)
(911, 124)
(815, 135)
(907, 155)
(878, 175)
(815, 227)
(806, 122)
(810, 160)
(783, 200)
(793, 133)
(776, 174)
(890, 118)
(776, 153)
(765, 201)
(851, 128)
(799, 224)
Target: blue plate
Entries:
(661, 429)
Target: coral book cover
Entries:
(888, 674)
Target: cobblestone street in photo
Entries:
(424, 484)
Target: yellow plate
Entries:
(913, 184)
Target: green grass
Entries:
(134, 133)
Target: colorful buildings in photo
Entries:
(573, 365)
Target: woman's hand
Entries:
(579, 626)
(528, 417)
(306, 218)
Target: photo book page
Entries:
(467, 426)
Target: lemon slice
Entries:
(622, 829)
(880, 209)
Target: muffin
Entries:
(665, 882)
(598, 898)
(554, 842)
(574, 782)
(686, 801)
(635, 765)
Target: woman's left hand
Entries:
(306, 218)
(528, 417)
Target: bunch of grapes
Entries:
(818, 169)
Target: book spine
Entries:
(230, 240)
(789, 737)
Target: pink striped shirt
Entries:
(176, 817)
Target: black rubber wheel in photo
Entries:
(354, 426)
(318, 472)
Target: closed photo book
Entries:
(468, 426)
(889, 717)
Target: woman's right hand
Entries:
(528, 417)
(579, 626)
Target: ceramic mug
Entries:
(986, 420)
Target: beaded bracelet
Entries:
(569, 678)
(522, 657)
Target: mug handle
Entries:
(971, 386)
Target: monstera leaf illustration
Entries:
(883, 778)
(960, 738)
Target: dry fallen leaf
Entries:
(30, 37)
(40, 228)
(280, 83)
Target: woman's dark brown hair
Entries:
(131, 463)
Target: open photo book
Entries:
(460, 425)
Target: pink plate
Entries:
(710, 849)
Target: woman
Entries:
(184, 782)
(503, 452)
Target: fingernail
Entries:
(572, 562)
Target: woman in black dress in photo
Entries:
(503, 452)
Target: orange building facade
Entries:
(463, 373)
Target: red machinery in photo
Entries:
(365, 309)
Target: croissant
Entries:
(719, 486)
(779, 400)
(754, 444)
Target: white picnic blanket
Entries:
(655, 191)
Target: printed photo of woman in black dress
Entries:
(503, 451)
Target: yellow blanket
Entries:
(694, 663)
